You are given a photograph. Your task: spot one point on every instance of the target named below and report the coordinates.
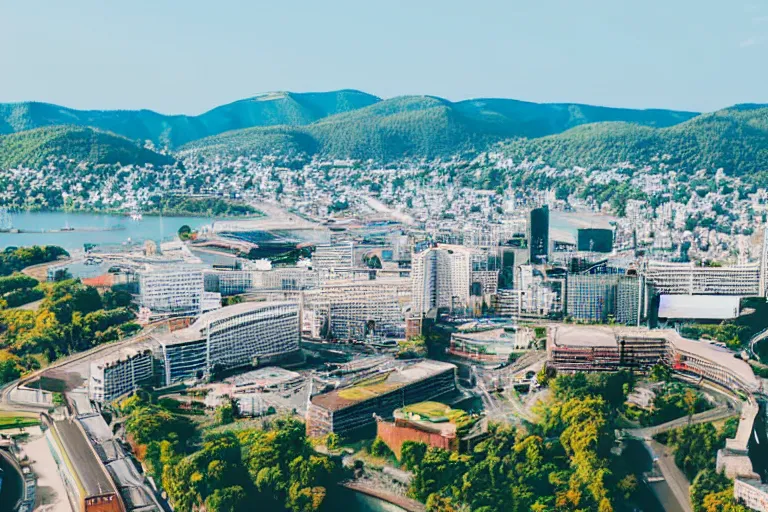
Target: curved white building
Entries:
(231, 337)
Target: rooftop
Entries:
(583, 336)
(380, 384)
(714, 307)
(264, 377)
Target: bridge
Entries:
(647, 433)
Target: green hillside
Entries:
(735, 139)
(425, 127)
(281, 108)
(33, 147)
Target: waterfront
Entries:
(354, 501)
(112, 229)
(149, 228)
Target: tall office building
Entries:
(538, 234)
(440, 278)
(591, 297)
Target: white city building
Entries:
(356, 309)
(121, 372)
(175, 291)
(333, 256)
(441, 278)
(234, 336)
(689, 279)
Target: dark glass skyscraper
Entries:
(538, 234)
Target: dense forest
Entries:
(228, 471)
(71, 318)
(13, 259)
(35, 147)
(212, 206)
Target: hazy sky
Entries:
(186, 56)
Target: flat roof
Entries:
(711, 307)
(91, 473)
(583, 336)
(721, 356)
(125, 352)
(500, 335)
(380, 384)
(264, 376)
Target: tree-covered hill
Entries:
(735, 139)
(32, 148)
(425, 127)
(281, 108)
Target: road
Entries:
(675, 478)
(718, 413)
(756, 339)
(7, 403)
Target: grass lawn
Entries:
(428, 409)
(17, 420)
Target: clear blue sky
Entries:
(186, 56)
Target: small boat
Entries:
(136, 216)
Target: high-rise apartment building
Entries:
(441, 278)
(175, 291)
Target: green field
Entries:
(13, 420)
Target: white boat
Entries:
(136, 216)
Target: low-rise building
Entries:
(350, 409)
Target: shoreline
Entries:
(407, 504)
(127, 214)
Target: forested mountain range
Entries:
(354, 124)
(32, 148)
(280, 108)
